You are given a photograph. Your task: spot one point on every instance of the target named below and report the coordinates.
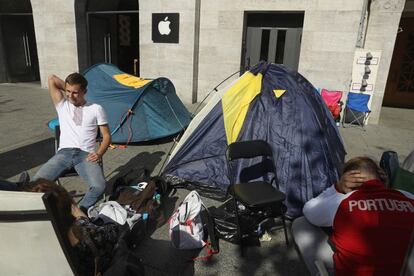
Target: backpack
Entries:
(96, 244)
(188, 226)
(145, 201)
(135, 175)
(389, 163)
(124, 262)
(141, 197)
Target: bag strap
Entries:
(212, 244)
(214, 241)
(188, 223)
(209, 254)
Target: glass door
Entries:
(19, 44)
(114, 38)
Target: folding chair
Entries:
(32, 238)
(403, 180)
(356, 110)
(333, 101)
(256, 196)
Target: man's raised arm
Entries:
(56, 87)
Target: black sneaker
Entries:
(23, 179)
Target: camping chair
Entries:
(333, 101)
(356, 110)
(389, 163)
(257, 196)
(403, 180)
(54, 125)
(31, 236)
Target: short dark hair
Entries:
(76, 78)
(366, 164)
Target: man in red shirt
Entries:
(371, 224)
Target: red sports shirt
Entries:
(372, 227)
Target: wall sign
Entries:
(165, 27)
(364, 70)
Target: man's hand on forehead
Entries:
(351, 180)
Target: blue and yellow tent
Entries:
(137, 109)
(274, 104)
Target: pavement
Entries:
(26, 143)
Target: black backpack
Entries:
(124, 262)
(134, 176)
(389, 163)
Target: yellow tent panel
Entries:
(131, 81)
(279, 92)
(235, 103)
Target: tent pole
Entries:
(176, 139)
(214, 89)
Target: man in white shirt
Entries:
(79, 122)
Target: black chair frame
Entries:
(262, 189)
(359, 118)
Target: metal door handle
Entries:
(109, 48)
(25, 50)
(28, 50)
(105, 48)
(135, 66)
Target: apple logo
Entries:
(164, 26)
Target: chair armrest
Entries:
(274, 180)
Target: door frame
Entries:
(389, 98)
(83, 28)
(88, 14)
(34, 71)
(290, 19)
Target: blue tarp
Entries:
(136, 114)
(306, 144)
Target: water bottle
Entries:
(158, 198)
(259, 231)
(145, 220)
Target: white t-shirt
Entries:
(79, 125)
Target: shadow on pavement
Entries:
(15, 161)
(161, 258)
(282, 261)
(135, 168)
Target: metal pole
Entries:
(363, 22)
(196, 49)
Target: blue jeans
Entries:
(90, 172)
(7, 186)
